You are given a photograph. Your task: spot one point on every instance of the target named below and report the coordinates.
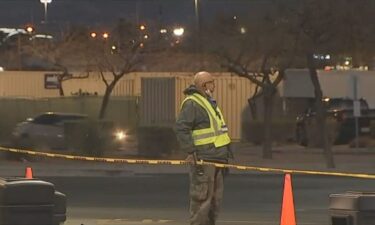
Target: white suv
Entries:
(44, 131)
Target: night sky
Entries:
(16, 13)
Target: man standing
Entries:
(203, 134)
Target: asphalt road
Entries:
(162, 199)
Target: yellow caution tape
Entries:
(183, 162)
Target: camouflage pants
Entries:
(206, 193)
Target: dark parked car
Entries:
(341, 111)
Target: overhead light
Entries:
(29, 29)
(105, 35)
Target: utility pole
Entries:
(356, 109)
(45, 3)
(137, 12)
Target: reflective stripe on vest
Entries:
(217, 133)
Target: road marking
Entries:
(257, 222)
(171, 222)
(127, 221)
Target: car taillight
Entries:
(340, 116)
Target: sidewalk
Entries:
(300, 158)
(284, 157)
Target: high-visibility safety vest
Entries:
(217, 133)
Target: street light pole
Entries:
(45, 2)
(196, 14)
(198, 31)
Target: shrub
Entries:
(282, 131)
(88, 137)
(313, 132)
(372, 129)
(156, 141)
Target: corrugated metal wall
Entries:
(94, 84)
(231, 92)
(24, 84)
(31, 84)
(91, 85)
(125, 87)
(158, 101)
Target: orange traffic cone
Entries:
(288, 216)
(29, 173)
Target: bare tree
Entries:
(312, 20)
(332, 27)
(260, 51)
(61, 55)
(290, 35)
(116, 56)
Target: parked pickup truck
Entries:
(341, 111)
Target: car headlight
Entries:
(120, 135)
